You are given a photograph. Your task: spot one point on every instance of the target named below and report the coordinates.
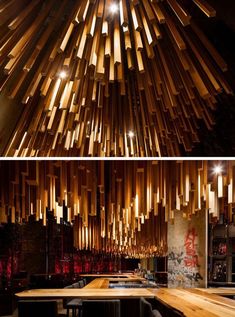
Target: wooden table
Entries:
(88, 293)
(195, 303)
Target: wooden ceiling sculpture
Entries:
(108, 78)
(116, 206)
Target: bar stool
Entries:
(146, 309)
(156, 313)
(75, 305)
(81, 283)
(76, 285)
(101, 308)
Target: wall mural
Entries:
(186, 261)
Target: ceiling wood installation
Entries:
(96, 82)
(118, 206)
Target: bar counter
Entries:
(86, 293)
(190, 302)
(196, 302)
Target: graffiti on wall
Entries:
(191, 257)
(183, 262)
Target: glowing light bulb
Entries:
(114, 8)
(217, 169)
(131, 134)
(63, 75)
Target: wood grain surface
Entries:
(86, 293)
(191, 302)
(88, 77)
(195, 303)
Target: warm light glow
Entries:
(133, 43)
(123, 215)
(136, 206)
(63, 75)
(217, 169)
(114, 8)
(131, 134)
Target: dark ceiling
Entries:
(221, 32)
(225, 11)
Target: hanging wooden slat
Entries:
(79, 56)
(117, 206)
(205, 7)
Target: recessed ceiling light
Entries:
(131, 134)
(217, 169)
(114, 8)
(63, 75)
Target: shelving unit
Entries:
(221, 254)
(233, 256)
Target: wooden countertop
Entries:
(190, 302)
(129, 275)
(195, 303)
(104, 282)
(219, 290)
(127, 279)
(86, 293)
(98, 283)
